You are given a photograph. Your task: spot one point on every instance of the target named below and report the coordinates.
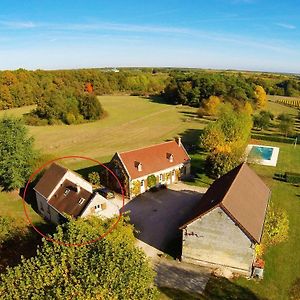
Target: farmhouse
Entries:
(141, 169)
(61, 191)
(228, 222)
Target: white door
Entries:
(142, 186)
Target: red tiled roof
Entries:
(154, 158)
(242, 195)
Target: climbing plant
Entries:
(151, 181)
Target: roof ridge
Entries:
(120, 153)
(240, 167)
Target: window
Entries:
(103, 206)
(81, 200)
(142, 182)
(173, 172)
(67, 191)
(160, 177)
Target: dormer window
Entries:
(170, 157)
(67, 191)
(81, 200)
(138, 165)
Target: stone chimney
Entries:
(178, 141)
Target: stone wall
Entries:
(215, 240)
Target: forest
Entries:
(69, 96)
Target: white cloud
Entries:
(18, 25)
(286, 26)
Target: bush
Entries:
(94, 178)
(151, 181)
(272, 138)
(294, 292)
(292, 177)
(276, 227)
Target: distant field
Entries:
(131, 122)
(277, 109)
(17, 112)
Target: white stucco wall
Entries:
(110, 211)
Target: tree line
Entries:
(194, 89)
(21, 87)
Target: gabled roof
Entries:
(70, 203)
(50, 179)
(153, 158)
(242, 195)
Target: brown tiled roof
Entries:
(242, 195)
(50, 179)
(153, 158)
(70, 203)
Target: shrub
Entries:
(276, 227)
(136, 187)
(272, 138)
(292, 177)
(151, 181)
(94, 178)
(294, 292)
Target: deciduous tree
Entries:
(112, 268)
(261, 96)
(16, 153)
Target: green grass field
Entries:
(135, 122)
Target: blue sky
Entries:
(224, 34)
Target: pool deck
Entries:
(265, 162)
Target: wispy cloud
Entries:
(181, 32)
(286, 26)
(18, 25)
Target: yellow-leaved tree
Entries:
(261, 96)
(210, 106)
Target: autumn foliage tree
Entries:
(225, 140)
(112, 268)
(261, 96)
(210, 107)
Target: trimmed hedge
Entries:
(272, 138)
(292, 177)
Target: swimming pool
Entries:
(261, 152)
(263, 155)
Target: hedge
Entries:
(272, 138)
(292, 177)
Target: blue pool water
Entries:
(261, 152)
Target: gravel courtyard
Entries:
(158, 215)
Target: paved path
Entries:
(181, 276)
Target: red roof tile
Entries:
(154, 158)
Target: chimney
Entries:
(138, 165)
(77, 189)
(178, 141)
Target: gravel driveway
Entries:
(158, 215)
